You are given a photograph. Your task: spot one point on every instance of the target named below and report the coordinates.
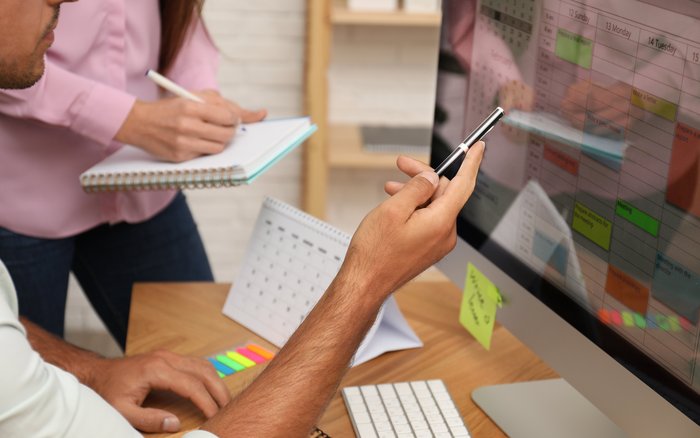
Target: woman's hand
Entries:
(177, 129)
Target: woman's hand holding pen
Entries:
(177, 129)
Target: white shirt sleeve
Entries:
(38, 399)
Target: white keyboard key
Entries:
(355, 399)
(451, 413)
(455, 422)
(408, 409)
(396, 411)
(379, 417)
(353, 390)
(419, 424)
(420, 388)
(402, 428)
(440, 429)
(434, 419)
(382, 425)
(459, 431)
(361, 417)
(366, 431)
(391, 402)
(403, 388)
(386, 391)
(369, 390)
(437, 386)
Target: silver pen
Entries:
(476, 135)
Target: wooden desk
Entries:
(187, 319)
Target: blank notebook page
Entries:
(241, 152)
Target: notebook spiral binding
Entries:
(187, 179)
(340, 236)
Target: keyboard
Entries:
(410, 409)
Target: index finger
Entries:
(217, 114)
(185, 385)
(202, 370)
(462, 184)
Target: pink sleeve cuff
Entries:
(102, 114)
(62, 98)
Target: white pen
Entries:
(172, 86)
(476, 135)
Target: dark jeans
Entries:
(107, 261)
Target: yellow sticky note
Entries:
(479, 303)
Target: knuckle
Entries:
(391, 211)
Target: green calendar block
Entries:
(592, 226)
(638, 217)
(574, 48)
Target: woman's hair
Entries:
(176, 17)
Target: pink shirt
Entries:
(52, 132)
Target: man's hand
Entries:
(395, 242)
(125, 383)
(401, 238)
(177, 129)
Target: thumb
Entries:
(248, 116)
(416, 192)
(150, 420)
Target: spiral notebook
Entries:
(290, 261)
(249, 154)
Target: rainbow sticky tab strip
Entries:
(238, 359)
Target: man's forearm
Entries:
(287, 399)
(60, 353)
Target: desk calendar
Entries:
(290, 261)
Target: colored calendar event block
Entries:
(677, 287)
(682, 190)
(627, 290)
(560, 159)
(653, 104)
(592, 226)
(636, 216)
(574, 48)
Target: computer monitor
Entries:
(586, 213)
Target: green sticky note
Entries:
(479, 303)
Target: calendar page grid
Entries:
(287, 268)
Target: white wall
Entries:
(377, 75)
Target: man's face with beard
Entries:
(26, 33)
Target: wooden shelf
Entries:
(345, 150)
(342, 15)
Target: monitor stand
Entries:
(544, 409)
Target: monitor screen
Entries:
(589, 193)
